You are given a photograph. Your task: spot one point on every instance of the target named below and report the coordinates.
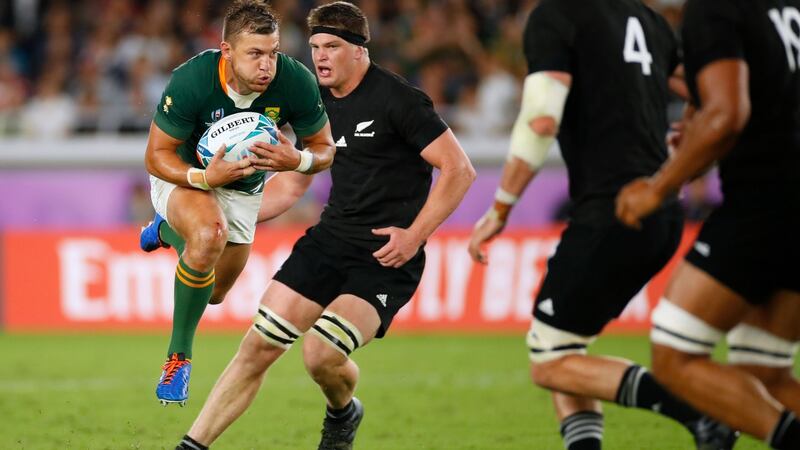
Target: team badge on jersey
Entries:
(273, 112)
(217, 114)
(167, 104)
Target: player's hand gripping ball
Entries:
(237, 132)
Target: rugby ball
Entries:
(237, 132)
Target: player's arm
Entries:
(281, 192)
(709, 135)
(316, 156)
(456, 174)
(162, 160)
(677, 83)
(543, 98)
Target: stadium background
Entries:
(85, 314)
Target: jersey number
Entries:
(786, 21)
(635, 50)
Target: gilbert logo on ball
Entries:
(237, 132)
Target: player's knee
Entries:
(207, 241)
(275, 331)
(320, 359)
(547, 346)
(753, 346)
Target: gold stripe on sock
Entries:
(189, 276)
(195, 285)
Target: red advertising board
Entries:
(55, 281)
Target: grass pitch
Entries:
(419, 392)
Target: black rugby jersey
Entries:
(766, 35)
(379, 177)
(620, 54)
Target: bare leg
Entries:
(595, 377)
(780, 318)
(723, 392)
(228, 268)
(336, 374)
(239, 383)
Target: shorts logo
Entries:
(217, 114)
(273, 112)
(382, 298)
(702, 248)
(363, 126)
(546, 307)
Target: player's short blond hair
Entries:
(248, 16)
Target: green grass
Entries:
(420, 392)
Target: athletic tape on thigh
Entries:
(275, 329)
(752, 345)
(546, 343)
(675, 327)
(338, 332)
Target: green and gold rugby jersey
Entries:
(197, 96)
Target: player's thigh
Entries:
(283, 316)
(702, 296)
(348, 324)
(241, 212)
(228, 268)
(597, 270)
(193, 211)
(766, 342)
(780, 316)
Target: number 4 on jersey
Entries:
(635, 49)
(784, 21)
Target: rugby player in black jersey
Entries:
(742, 276)
(351, 273)
(599, 79)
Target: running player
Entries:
(599, 79)
(743, 72)
(211, 213)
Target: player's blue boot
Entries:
(149, 239)
(340, 434)
(712, 435)
(173, 387)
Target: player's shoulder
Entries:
(728, 8)
(571, 10)
(201, 64)
(398, 88)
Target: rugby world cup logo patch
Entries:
(217, 114)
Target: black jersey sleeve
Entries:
(712, 31)
(549, 38)
(414, 118)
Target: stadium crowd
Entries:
(101, 65)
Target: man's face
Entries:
(253, 58)
(334, 59)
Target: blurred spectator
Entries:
(51, 113)
(116, 55)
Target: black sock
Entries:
(786, 435)
(341, 414)
(188, 443)
(583, 431)
(639, 389)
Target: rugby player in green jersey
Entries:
(209, 214)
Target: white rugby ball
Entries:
(237, 132)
